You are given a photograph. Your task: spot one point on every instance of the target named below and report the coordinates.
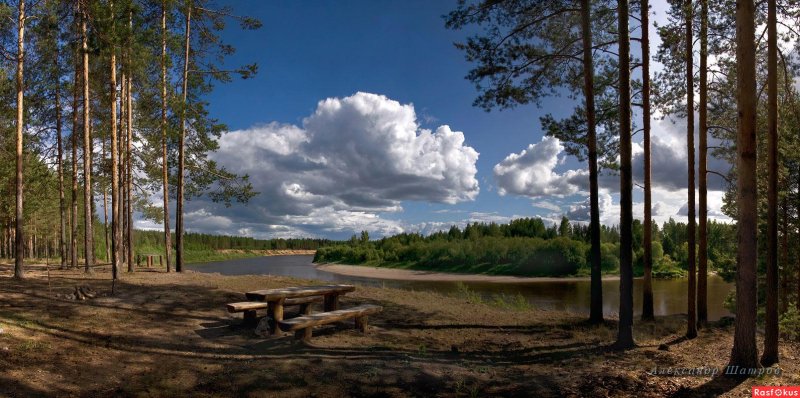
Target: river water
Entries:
(669, 296)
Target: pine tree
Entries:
(625, 331)
(770, 355)
(744, 352)
(19, 253)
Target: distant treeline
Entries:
(527, 246)
(204, 242)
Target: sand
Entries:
(415, 275)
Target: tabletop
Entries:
(299, 291)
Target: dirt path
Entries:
(169, 335)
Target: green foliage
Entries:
(609, 257)
(790, 323)
(205, 247)
(524, 247)
(516, 302)
(730, 302)
(468, 294)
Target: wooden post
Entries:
(303, 335)
(361, 323)
(250, 317)
(138, 259)
(276, 309)
(331, 302)
(160, 261)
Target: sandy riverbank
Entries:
(168, 334)
(415, 275)
(284, 252)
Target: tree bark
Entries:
(164, 164)
(744, 352)
(115, 225)
(596, 305)
(181, 146)
(691, 330)
(702, 271)
(73, 251)
(770, 355)
(19, 268)
(784, 290)
(129, 158)
(625, 332)
(647, 283)
(62, 205)
(123, 120)
(105, 205)
(88, 239)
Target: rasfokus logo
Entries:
(776, 391)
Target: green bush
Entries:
(790, 323)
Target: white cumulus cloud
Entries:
(352, 159)
(531, 172)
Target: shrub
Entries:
(790, 323)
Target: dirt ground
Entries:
(169, 335)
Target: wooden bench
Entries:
(302, 325)
(278, 297)
(249, 307)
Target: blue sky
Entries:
(389, 71)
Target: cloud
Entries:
(531, 172)
(352, 159)
(547, 205)
(581, 211)
(714, 207)
(669, 160)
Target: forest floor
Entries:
(169, 335)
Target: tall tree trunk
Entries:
(647, 283)
(691, 330)
(596, 306)
(19, 269)
(625, 332)
(784, 290)
(702, 272)
(129, 178)
(73, 251)
(164, 164)
(181, 146)
(744, 352)
(88, 239)
(770, 355)
(62, 206)
(106, 244)
(123, 220)
(115, 225)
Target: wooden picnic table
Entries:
(276, 298)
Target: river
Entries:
(669, 296)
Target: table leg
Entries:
(331, 302)
(276, 309)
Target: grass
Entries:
(516, 302)
(34, 345)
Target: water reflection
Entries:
(670, 296)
